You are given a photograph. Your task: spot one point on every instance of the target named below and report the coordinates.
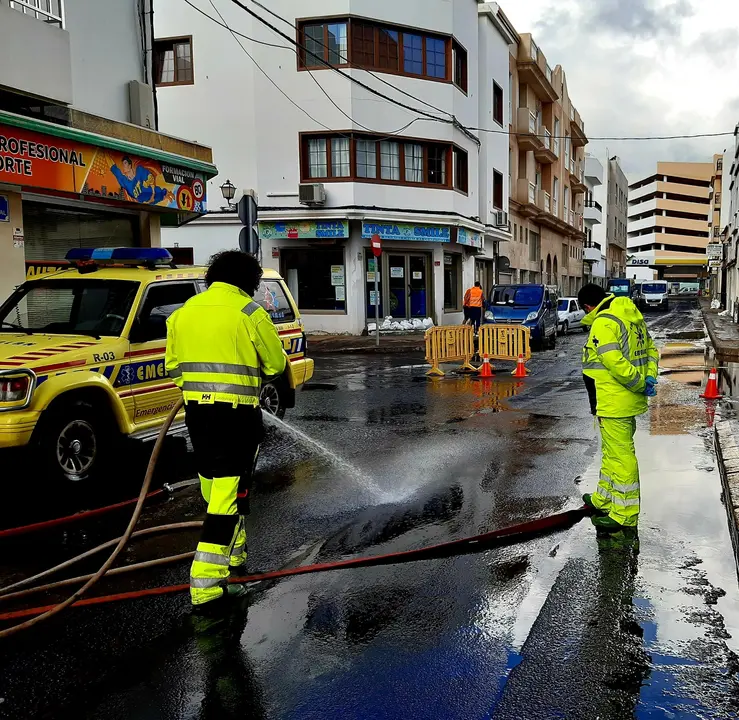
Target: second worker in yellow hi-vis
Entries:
(220, 344)
(620, 366)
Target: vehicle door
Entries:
(550, 313)
(153, 392)
(576, 315)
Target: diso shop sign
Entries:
(32, 159)
(405, 231)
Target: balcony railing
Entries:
(572, 218)
(532, 123)
(593, 204)
(549, 73)
(534, 51)
(50, 11)
(547, 139)
(532, 193)
(547, 202)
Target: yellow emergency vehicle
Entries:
(82, 354)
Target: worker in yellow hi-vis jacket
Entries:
(620, 365)
(220, 344)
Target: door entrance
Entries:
(404, 285)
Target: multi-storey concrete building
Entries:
(334, 162)
(616, 219)
(547, 145)
(715, 249)
(593, 253)
(730, 221)
(81, 161)
(669, 218)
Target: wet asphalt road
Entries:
(558, 627)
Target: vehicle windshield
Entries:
(69, 307)
(521, 296)
(564, 305)
(654, 288)
(618, 284)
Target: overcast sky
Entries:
(643, 67)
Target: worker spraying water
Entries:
(220, 344)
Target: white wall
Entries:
(107, 53)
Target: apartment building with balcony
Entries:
(669, 219)
(730, 222)
(617, 216)
(81, 160)
(547, 156)
(715, 252)
(594, 259)
(334, 163)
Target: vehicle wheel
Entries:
(553, 341)
(74, 441)
(271, 399)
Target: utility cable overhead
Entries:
(236, 35)
(367, 70)
(426, 116)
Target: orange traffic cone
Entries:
(486, 371)
(712, 392)
(520, 371)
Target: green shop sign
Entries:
(406, 231)
(304, 230)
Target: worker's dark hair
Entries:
(477, 284)
(591, 295)
(235, 268)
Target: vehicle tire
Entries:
(272, 399)
(74, 440)
(553, 341)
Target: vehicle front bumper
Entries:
(16, 427)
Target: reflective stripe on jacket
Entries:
(474, 297)
(619, 355)
(219, 344)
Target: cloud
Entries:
(635, 18)
(631, 71)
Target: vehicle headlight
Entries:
(14, 389)
(489, 315)
(531, 317)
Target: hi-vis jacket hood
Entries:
(619, 355)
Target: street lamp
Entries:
(228, 190)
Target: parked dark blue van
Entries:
(534, 306)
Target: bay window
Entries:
(356, 42)
(360, 157)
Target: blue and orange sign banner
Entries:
(32, 159)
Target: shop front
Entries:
(67, 188)
(422, 273)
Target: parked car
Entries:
(534, 306)
(570, 315)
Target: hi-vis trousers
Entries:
(618, 487)
(226, 441)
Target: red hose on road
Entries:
(496, 538)
(67, 519)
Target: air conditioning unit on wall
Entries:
(501, 219)
(312, 194)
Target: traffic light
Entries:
(249, 235)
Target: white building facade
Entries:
(334, 162)
(730, 223)
(594, 256)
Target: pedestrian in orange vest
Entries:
(473, 302)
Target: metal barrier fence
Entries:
(450, 344)
(505, 342)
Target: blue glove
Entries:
(650, 389)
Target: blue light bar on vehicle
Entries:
(123, 255)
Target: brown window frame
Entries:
(354, 24)
(497, 116)
(448, 148)
(156, 54)
(502, 193)
(460, 170)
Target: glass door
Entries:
(418, 286)
(398, 286)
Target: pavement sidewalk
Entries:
(362, 344)
(723, 332)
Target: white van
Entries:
(654, 295)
